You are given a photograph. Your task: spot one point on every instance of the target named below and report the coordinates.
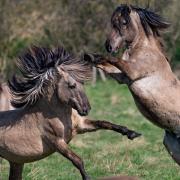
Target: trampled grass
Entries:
(108, 153)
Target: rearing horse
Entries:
(144, 67)
(50, 86)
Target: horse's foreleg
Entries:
(121, 78)
(15, 172)
(115, 73)
(63, 148)
(87, 125)
(172, 144)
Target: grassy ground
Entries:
(107, 153)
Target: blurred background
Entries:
(76, 24)
(81, 25)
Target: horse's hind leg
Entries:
(172, 144)
(15, 172)
(63, 148)
(87, 125)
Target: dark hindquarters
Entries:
(15, 172)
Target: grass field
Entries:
(107, 153)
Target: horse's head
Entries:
(130, 22)
(52, 73)
(71, 91)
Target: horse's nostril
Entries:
(108, 46)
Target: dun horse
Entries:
(50, 86)
(144, 67)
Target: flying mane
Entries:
(38, 72)
(150, 21)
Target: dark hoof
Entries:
(93, 58)
(132, 135)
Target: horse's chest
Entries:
(147, 111)
(146, 92)
(155, 98)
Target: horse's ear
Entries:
(125, 12)
(67, 78)
(128, 9)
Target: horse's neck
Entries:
(143, 59)
(41, 113)
(151, 51)
(51, 107)
(141, 42)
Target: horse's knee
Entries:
(172, 145)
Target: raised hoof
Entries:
(93, 58)
(132, 135)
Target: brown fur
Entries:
(34, 132)
(149, 77)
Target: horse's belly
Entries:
(22, 158)
(162, 118)
(22, 148)
(159, 102)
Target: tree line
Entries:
(78, 25)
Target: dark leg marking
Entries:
(93, 125)
(63, 148)
(15, 172)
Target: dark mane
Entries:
(150, 21)
(38, 68)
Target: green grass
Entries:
(107, 153)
